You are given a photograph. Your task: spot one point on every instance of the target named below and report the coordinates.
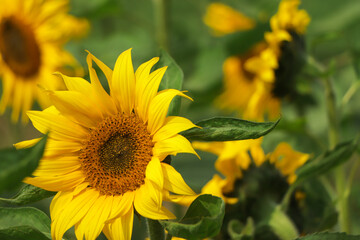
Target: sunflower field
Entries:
(168, 119)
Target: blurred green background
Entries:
(333, 38)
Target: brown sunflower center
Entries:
(115, 156)
(18, 47)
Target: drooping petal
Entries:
(154, 172)
(121, 205)
(159, 107)
(171, 127)
(172, 146)
(123, 82)
(73, 212)
(174, 182)
(120, 228)
(94, 221)
(146, 204)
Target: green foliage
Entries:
(28, 194)
(228, 129)
(24, 224)
(173, 78)
(15, 165)
(239, 231)
(328, 161)
(202, 219)
(329, 236)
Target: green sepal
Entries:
(24, 224)
(28, 194)
(238, 231)
(15, 164)
(228, 129)
(203, 219)
(173, 79)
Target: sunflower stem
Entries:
(332, 114)
(156, 231)
(160, 15)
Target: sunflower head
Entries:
(32, 35)
(105, 152)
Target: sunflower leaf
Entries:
(23, 224)
(173, 79)
(28, 194)
(203, 219)
(228, 129)
(329, 236)
(331, 159)
(15, 165)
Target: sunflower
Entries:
(32, 35)
(105, 152)
(255, 83)
(225, 20)
(236, 157)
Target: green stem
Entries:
(156, 231)
(160, 15)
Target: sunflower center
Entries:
(115, 156)
(18, 47)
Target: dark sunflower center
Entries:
(291, 62)
(116, 154)
(18, 47)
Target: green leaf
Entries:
(23, 224)
(173, 79)
(329, 236)
(28, 194)
(228, 129)
(15, 165)
(203, 219)
(328, 161)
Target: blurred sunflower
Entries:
(236, 158)
(32, 35)
(255, 82)
(105, 153)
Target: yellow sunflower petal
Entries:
(123, 82)
(105, 102)
(159, 107)
(154, 172)
(60, 127)
(149, 92)
(174, 182)
(120, 228)
(142, 79)
(122, 204)
(58, 183)
(76, 106)
(74, 211)
(106, 70)
(27, 143)
(94, 221)
(171, 127)
(146, 204)
(172, 146)
(58, 203)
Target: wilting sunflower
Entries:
(105, 152)
(224, 19)
(32, 35)
(256, 82)
(236, 157)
